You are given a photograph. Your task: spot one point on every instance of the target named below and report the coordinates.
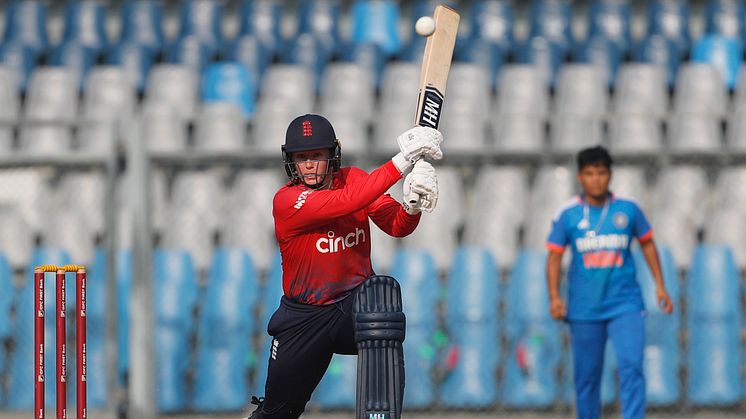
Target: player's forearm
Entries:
(651, 257)
(554, 263)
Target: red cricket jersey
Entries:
(324, 235)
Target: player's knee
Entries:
(376, 319)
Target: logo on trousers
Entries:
(377, 416)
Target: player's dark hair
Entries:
(593, 156)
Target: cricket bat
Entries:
(436, 63)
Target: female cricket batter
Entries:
(604, 297)
(321, 223)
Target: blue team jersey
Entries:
(601, 278)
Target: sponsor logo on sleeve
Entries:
(302, 198)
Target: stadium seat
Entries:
(85, 193)
(52, 96)
(74, 56)
(307, 51)
(629, 182)
(220, 126)
(202, 20)
(670, 19)
(350, 130)
(26, 199)
(736, 131)
(714, 322)
(492, 21)
(399, 78)
(190, 52)
(726, 226)
(290, 88)
(500, 212)
(270, 126)
(641, 89)
(271, 295)
(468, 103)
(725, 17)
(225, 329)
(230, 83)
(473, 287)
(45, 139)
(141, 23)
(135, 60)
(376, 21)
(552, 20)
(544, 54)
(520, 91)
(730, 190)
(570, 133)
(176, 297)
(637, 133)
(261, 19)
(602, 53)
(108, 95)
(124, 286)
(722, 52)
(610, 19)
(687, 186)
(84, 24)
(520, 133)
(338, 386)
(580, 91)
(27, 24)
(532, 335)
(348, 88)
(692, 132)
(437, 233)
(16, 236)
(20, 381)
(367, 55)
(19, 59)
(249, 51)
(659, 50)
(174, 85)
(163, 129)
(10, 98)
(69, 230)
(320, 18)
(552, 188)
(662, 354)
(700, 89)
(7, 292)
(487, 55)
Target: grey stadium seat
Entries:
(465, 121)
(641, 89)
(220, 126)
(520, 90)
(736, 130)
(518, 133)
(27, 189)
(85, 193)
(288, 87)
(270, 127)
(687, 187)
(108, 95)
(581, 90)
(175, 85)
(68, 229)
(163, 127)
(699, 133)
(388, 127)
(52, 96)
(570, 132)
(201, 191)
(727, 226)
(348, 88)
(629, 182)
(700, 89)
(9, 106)
(45, 139)
(351, 132)
(553, 187)
(399, 81)
(635, 133)
(16, 236)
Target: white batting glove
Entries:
(415, 143)
(420, 188)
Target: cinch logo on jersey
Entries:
(602, 251)
(333, 243)
(302, 198)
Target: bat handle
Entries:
(414, 201)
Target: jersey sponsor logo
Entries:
(302, 198)
(334, 243)
(602, 242)
(603, 259)
(275, 344)
(621, 220)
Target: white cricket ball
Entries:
(425, 26)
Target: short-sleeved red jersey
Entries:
(324, 235)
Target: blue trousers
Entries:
(627, 334)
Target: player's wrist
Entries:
(401, 163)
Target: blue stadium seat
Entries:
(662, 354)
(225, 330)
(489, 55)
(201, 19)
(415, 271)
(272, 294)
(413, 50)
(251, 52)
(610, 19)
(533, 336)
(141, 23)
(308, 51)
(26, 23)
(337, 388)
(176, 296)
(124, 285)
(134, 59)
(657, 49)
(473, 287)
(725, 17)
(670, 18)
(230, 82)
(74, 56)
(320, 18)
(367, 55)
(724, 53)
(714, 323)
(6, 300)
(20, 381)
(262, 19)
(603, 53)
(20, 59)
(84, 24)
(191, 52)
(552, 20)
(547, 56)
(492, 21)
(377, 22)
